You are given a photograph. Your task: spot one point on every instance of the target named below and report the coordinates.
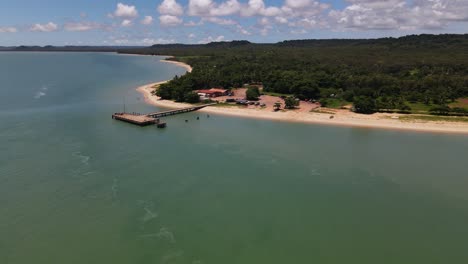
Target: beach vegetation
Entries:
(252, 93)
(364, 105)
(192, 98)
(291, 102)
(277, 106)
(416, 72)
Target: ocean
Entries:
(77, 186)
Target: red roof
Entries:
(212, 91)
(218, 90)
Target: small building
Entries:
(213, 92)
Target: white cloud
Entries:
(125, 11)
(8, 30)
(148, 20)
(206, 8)
(49, 27)
(81, 26)
(151, 41)
(126, 23)
(227, 8)
(193, 23)
(191, 35)
(281, 20)
(124, 40)
(400, 14)
(243, 31)
(257, 7)
(170, 7)
(211, 39)
(220, 21)
(168, 20)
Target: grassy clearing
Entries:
(226, 105)
(461, 102)
(322, 111)
(419, 107)
(433, 118)
(274, 94)
(336, 103)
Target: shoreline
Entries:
(341, 118)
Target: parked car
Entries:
(242, 102)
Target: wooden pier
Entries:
(153, 118)
(140, 120)
(177, 111)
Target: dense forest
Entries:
(385, 74)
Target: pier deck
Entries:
(140, 120)
(153, 118)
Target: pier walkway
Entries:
(178, 111)
(153, 118)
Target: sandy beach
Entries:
(181, 64)
(341, 117)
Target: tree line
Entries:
(376, 74)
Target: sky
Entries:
(147, 22)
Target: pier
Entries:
(153, 118)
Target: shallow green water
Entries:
(79, 187)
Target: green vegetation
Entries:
(192, 98)
(433, 118)
(460, 103)
(275, 94)
(277, 106)
(252, 93)
(364, 105)
(333, 103)
(321, 111)
(410, 74)
(291, 102)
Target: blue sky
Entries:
(146, 22)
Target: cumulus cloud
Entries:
(193, 23)
(211, 39)
(49, 27)
(257, 7)
(126, 23)
(152, 41)
(125, 11)
(209, 8)
(143, 41)
(8, 30)
(170, 7)
(168, 20)
(400, 14)
(81, 26)
(243, 31)
(148, 20)
(220, 21)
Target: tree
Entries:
(252, 93)
(164, 91)
(364, 105)
(440, 110)
(192, 98)
(290, 102)
(277, 106)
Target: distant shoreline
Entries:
(340, 118)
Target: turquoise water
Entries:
(79, 187)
